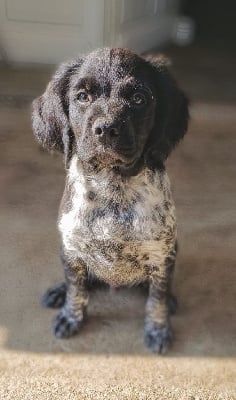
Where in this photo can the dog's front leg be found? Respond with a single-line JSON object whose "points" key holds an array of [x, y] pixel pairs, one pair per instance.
{"points": [[157, 330], [71, 315]]}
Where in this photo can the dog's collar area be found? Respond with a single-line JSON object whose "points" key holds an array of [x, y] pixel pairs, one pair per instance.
{"points": [[122, 169], [131, 169]]}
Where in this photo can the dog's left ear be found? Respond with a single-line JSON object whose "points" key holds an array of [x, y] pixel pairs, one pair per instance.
{"points": [[171, 114]]}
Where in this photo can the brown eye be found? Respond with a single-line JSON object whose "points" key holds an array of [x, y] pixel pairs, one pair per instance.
{"points": [[138, 99], [84, 97]]}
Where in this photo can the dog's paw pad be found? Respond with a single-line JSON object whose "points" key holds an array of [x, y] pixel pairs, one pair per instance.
{"points": [[65, 326], [55, 296], [158, 339]]}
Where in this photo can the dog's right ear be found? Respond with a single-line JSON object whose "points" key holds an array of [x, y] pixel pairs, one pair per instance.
{"points": [[50, 111]]}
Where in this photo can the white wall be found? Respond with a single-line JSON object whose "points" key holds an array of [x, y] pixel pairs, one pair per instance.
{"points": [[50, 31]]}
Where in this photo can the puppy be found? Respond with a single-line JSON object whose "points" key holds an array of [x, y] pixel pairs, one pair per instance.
{"points": [[116, 118]]}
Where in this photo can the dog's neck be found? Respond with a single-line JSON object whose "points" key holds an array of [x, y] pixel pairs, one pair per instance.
{"points": [[93, 170], [107, 182]]}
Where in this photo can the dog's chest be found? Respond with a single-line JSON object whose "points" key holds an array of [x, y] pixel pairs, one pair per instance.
{"points": [[110, 222]]}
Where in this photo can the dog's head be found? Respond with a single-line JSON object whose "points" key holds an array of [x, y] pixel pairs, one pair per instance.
{"points": [[112, 108]]}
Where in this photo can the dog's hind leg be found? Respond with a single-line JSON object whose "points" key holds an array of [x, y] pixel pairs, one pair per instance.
{"points": [[55, 296], [172, 304]]}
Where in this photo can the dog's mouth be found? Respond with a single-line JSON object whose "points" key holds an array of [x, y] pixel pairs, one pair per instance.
{"points": [[124, 157], [113, 161]]}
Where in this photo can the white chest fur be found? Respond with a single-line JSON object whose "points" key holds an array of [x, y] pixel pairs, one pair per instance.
{"points": [[104, 211]]}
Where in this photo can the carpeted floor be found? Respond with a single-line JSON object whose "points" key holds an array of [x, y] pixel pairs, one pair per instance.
{"points": [[108, 359]]}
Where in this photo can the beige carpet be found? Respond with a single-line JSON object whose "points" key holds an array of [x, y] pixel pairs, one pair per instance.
{"points": [[108, 359]]}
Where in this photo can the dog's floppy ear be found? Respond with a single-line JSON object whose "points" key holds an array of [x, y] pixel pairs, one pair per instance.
{"points": [[50, 111], [171, 114]]}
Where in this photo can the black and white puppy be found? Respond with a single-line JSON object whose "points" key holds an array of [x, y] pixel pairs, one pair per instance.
{"points": [[116, 118]]}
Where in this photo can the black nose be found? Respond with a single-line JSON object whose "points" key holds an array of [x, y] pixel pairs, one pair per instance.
{"points": [[105, 129]]}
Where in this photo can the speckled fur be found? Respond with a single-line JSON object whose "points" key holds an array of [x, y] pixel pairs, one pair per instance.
{"points": [[124, 230], [117, 216]]}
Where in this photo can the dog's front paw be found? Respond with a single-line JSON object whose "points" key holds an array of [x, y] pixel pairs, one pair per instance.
{"points": [[158, 339], [65, 325]]}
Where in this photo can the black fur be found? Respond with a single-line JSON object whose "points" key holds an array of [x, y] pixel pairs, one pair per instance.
{"points": [[50, 112], [116, 117], [59, 119]]}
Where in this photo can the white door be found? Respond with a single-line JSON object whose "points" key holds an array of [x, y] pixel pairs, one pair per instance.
{"points": [[50, 31]]}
